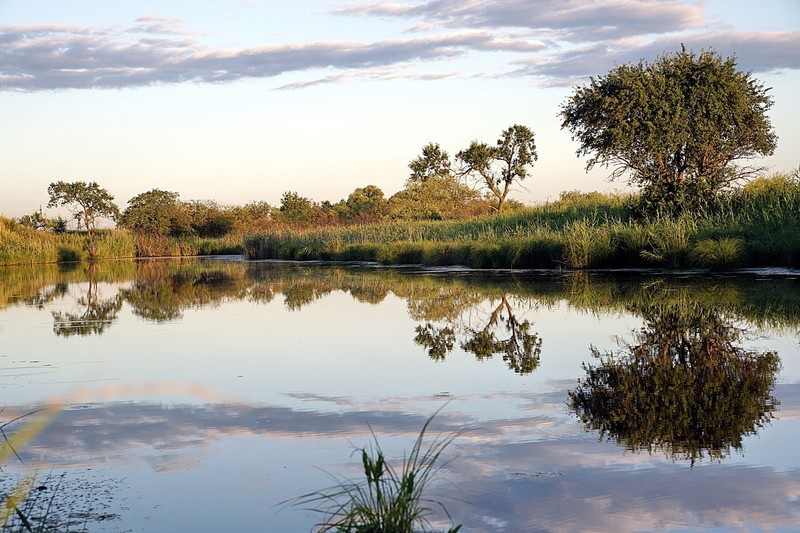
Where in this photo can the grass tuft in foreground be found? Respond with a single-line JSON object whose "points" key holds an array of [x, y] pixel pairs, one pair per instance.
{"points": [[389, 499]]}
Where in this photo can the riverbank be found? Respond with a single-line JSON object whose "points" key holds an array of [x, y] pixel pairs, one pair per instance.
{"points": [[756, 226], [752, 227]]}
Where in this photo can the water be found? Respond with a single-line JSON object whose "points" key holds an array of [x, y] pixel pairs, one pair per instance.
{"points": [[197, 395]]}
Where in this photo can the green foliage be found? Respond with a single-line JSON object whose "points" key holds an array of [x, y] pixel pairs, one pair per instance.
{"points": [[366, 205], [154, 211], [35, 220], [676, 127], [296, 209], [670, 241], [719, 254], [434, 162], [587, 246], [438, 197], [89, 202], [252, 217], [206, 219], [498, 167], [390, 499]]}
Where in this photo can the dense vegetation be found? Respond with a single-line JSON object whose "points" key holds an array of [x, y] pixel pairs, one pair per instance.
{"points": [[755, 225]]}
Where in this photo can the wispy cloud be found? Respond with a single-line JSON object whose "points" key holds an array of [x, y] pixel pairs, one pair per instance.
{"points": [[157, 51], [554, 42], [574, 20], [579, 39]]}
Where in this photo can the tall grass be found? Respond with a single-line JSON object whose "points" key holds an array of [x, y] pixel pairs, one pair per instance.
{"points": [[389, 499], [757, 225], [20, 245]]}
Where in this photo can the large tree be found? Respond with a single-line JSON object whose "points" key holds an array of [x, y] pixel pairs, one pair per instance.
{"points": [[676, 127], [88, 202], [498, 167]]}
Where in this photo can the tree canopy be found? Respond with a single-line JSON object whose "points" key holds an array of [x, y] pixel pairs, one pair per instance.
{"points": [[434, 162], [367, 204], [676, 127], [498, 167], [152, 211]]}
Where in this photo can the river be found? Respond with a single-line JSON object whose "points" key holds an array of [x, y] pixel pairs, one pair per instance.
{"points": [[206, 394]]}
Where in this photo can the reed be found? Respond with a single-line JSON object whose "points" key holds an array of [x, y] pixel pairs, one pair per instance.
{"points": [[389, 498]]}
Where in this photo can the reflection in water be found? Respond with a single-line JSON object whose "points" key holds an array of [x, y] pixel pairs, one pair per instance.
{"points": [[682, 385], [97, 313], [479, 314], [501, 334], [686, 384]]}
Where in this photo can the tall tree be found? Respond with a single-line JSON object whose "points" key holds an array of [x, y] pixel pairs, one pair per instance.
{"points": [[498, 167], [676, 127], [88, 202], [296, 209]]}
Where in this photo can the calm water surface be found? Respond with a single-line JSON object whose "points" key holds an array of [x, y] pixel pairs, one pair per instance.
{"points": [[196, 395]]}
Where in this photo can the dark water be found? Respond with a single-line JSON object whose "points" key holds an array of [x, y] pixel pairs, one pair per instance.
{"points": [[196, 395]]}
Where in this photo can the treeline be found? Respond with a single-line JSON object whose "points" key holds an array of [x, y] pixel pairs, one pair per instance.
{"points": [[433, 191]]}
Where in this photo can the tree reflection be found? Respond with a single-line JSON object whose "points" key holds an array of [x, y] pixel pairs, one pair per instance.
{"points": [[682, 386], [97, 313], [41, 299], [501, 334], [162, 296]]}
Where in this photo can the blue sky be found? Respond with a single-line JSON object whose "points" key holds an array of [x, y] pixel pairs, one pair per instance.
{"points": [[241, 100]]}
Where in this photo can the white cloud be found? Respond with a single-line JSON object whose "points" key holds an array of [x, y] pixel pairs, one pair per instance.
{"points": [[554, 42], [63, 57]]}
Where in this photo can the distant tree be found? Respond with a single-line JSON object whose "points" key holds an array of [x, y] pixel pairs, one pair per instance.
{"points": [[35, 220], [208, 218], [439, 197], [497, 168], [252, 217], [296, 209], [433, 162], [88, 202], [367, 204], [152, 211], [58, 224], [676, 127]]}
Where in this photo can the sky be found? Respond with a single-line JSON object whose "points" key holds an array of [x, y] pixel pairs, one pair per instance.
{"points": [[242, 100]]}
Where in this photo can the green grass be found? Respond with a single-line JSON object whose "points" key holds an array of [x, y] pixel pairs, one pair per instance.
{"points": [[757, 225], [23, 246], [389, 499], [753, 226]]}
